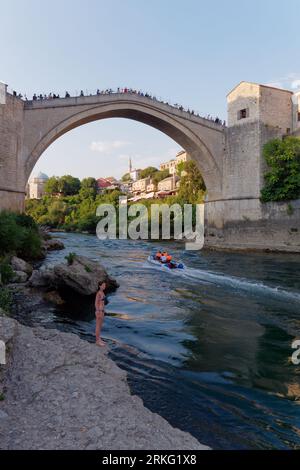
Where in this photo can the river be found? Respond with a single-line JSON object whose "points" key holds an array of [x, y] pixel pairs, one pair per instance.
{"points": [[209, 349]]}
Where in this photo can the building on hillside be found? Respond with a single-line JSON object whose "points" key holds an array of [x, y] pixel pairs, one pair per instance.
{"points": [[112, 180], [135, 174], [125, 186], [140, 186], [172, 165], [182, 157], [151, 187], [169, 184], [102, 185], [36, 186]]}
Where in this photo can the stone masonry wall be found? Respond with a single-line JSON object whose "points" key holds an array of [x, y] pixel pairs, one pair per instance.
{"points": [[11, 171], [245, 95], [276, 108], [249, 224]]}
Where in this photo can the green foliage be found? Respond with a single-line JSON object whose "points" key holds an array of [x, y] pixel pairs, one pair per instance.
{"points": [[159, 176], [149, 171], [192, 187], [10, 240], [70, 258], [31, 245], [66, 185], [88, 188], [78, 212], [282, 180], [26, 221], [180, 168], [19, 235], [5, 300], [52, 186], [126, 177], [6, 271]]}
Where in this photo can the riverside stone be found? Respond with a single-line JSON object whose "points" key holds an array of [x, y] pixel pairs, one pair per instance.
{"points": [[53, 244], [64, 393], [19, 264], [20, 276], [83, 276], [43, 277]]}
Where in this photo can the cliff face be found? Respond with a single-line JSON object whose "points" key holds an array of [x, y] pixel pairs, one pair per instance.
{"points": [[61, 392]]}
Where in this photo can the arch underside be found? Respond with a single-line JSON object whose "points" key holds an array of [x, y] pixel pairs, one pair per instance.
{"points": [[170, 126]]}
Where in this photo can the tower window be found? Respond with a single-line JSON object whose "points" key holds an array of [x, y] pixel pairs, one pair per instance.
{"points": [[243, 113], [298, 116]]}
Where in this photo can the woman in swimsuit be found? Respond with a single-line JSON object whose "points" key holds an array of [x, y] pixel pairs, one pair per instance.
{"points": [[99, 305]]}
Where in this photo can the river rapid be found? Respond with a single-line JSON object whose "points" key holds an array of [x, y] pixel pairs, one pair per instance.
{"points": [[209, 348]]}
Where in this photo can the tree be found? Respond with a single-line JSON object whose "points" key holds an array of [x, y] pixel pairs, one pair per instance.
{"points": [[88, 188], [19, 235], [52, 186], [192, 186], [68, 185], [149, 171], [180, 168], [160, 175], [282, 180], [126, 177]]}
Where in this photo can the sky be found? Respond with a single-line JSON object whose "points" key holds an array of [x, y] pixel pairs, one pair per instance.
{"points": [[191, 52]]}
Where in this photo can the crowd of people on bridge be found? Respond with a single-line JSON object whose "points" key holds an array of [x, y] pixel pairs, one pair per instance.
{"points": [[110, 91]]}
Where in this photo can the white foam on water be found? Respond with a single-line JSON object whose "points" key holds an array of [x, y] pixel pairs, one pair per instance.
{"points": [[240, 283], [209, 277]]}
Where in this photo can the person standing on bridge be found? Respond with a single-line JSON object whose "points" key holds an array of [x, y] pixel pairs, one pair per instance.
{"points": [[99, 306]]}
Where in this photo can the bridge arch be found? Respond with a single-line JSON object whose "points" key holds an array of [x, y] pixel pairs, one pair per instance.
{"points": [[46, 121]]}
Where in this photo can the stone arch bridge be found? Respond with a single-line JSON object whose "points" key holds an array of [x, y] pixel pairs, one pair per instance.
{"points": [[232, 173]]}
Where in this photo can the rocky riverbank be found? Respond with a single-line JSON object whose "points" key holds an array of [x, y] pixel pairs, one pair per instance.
{"points": [[60, 392]]}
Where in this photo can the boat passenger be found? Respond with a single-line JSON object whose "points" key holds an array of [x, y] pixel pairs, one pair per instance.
{"points": [[172, 265], [158, 255], [169, 258]]}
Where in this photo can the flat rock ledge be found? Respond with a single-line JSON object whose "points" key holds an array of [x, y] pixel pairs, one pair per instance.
{"points": [[61, 392]]}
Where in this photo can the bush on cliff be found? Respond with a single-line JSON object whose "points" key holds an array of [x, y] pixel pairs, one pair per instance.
{"points": [[6, 271], [5, 299], [282, 180], [19, 235]]}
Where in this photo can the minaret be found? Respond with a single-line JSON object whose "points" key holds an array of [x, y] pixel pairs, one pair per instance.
{"points": [[130, 165]]}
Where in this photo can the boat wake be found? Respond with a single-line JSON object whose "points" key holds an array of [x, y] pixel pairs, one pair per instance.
{"points": [[233, 282]]}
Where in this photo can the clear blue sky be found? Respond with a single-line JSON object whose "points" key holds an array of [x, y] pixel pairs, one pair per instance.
{"points": [[191, 52]]}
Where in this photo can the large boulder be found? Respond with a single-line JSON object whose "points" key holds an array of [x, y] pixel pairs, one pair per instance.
{"points": [[20, 276], [83, 276], [53, 244], [43, 277], [19, 264]]}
